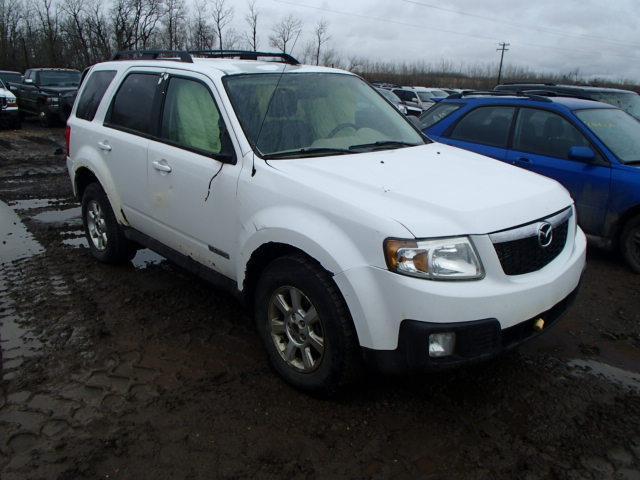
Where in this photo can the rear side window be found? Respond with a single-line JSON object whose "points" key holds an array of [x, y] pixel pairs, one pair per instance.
{"points": [[485, 125], [97, 84], [546, 133], [437, 113], [191, 119], [132, 106]]}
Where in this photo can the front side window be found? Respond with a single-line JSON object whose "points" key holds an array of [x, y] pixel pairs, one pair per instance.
{"points": [[316, 114], [97, 84], [437, 113], [191, 119], [618, 131], [132, 105], [546, 133], [485, 125]]}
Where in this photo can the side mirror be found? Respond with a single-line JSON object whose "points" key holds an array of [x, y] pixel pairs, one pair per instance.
{"points": [[582, 154], [28, 81]]}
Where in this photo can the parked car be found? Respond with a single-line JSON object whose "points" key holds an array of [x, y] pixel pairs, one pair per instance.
{"points": [[393, 98], [432, 95], [415, 105], [626, 100], [48, 93], [592, 148], [8, 108], [300, 189], [11, 79]]}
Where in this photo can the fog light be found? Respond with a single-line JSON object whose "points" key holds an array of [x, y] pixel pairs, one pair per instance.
{"points": [[441, 344]]}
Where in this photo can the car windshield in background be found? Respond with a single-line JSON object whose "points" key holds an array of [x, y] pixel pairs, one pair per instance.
{"points": [[59, 79], [389, 95], [2, 85], [436, 113], [316, 114], [629, 102], [10, 77], [617, 130]]}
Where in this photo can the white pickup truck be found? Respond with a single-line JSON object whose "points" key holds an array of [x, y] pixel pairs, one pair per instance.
{"points": [[351, 235], [9, 114]]}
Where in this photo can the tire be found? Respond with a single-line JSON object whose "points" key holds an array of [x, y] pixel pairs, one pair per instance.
{"points": [[340, 361], [17, 123], [105, 237], [630, 243], [44, 118]]}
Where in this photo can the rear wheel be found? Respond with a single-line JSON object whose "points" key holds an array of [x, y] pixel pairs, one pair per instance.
{"points": [[305, 325], [104, 235], [630, 243]]}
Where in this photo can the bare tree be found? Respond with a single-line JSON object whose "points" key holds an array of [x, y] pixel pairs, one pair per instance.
{"points": [[252, 21], [285, 32], [321, 37], [174, 31], [222, 16], [48, 18], [201, 34]]}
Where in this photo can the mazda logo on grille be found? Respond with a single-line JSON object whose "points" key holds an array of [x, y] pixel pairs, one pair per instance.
{"points": [[545, 234]]}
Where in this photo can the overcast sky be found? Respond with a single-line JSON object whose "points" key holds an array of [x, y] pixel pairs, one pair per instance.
{"points": [[601, 38]]}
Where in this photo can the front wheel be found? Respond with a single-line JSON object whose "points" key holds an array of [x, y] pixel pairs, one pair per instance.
{"points": [[305, 326], [106, 239], [630, 243], [44, 118]]}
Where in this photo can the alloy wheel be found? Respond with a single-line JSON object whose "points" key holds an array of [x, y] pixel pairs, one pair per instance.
{"points": [[96, 225]]}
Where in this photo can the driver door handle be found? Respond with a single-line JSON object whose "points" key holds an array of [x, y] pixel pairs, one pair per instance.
{"points": [[161, 166], [104, 145]]}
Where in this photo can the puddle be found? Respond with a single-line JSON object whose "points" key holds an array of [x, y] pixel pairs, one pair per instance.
{"points": [[145, 258], [15, 240], [31, 203], [69, 216], [624, 378]]}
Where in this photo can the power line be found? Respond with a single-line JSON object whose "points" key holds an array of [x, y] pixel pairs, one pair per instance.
{"points": [[432, 28], [503, 48], [550, 31]]}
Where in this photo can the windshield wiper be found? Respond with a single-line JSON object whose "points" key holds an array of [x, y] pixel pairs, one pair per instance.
{"points": [[307, 152], [382, 145]]}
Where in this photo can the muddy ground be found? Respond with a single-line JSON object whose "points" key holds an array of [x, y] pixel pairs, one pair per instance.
{"points": [[145, 371]]}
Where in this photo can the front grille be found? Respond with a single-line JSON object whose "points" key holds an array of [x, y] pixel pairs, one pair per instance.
{"points": [[526, 255]]}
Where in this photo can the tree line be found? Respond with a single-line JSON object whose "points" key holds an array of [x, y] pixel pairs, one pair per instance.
{"points": [[79, 33]]}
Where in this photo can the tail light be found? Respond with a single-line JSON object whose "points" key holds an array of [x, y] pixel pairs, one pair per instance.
{"points": [[67, 138]]}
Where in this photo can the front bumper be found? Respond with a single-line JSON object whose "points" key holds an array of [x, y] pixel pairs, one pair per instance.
{"points": [[9, 114], [475, 341]]}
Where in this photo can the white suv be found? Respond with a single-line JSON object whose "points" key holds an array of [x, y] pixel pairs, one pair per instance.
{"points": [[351, 235]]}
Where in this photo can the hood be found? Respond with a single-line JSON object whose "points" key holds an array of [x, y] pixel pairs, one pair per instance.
{"points": [[5, 93], [432, 190], [60, 90]]}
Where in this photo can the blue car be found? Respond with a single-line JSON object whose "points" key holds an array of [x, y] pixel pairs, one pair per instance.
{"points": [[591, 148]]}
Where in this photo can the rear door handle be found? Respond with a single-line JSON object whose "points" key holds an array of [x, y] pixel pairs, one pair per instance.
{"points": [[104, 146], [161, 166]]}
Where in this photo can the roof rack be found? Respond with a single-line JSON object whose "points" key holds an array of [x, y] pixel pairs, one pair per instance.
{"points": [[180, 55], [550, 93], [244, 55], [501, 93]]}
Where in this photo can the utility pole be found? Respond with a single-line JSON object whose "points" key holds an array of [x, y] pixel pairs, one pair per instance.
{"points": [[503, 48]]}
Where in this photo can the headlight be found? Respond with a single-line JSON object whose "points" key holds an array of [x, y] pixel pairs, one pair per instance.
{"points": [[439, 259], [403, 109], [53, 100]]}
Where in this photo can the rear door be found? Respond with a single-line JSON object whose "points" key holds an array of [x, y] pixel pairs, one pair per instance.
{"points": [[541, 143], [193, 173], [484, 130], [130, 121]]}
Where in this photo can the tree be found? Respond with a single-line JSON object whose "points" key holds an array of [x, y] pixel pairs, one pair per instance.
{"points": [[285, 32], [321, 37], [252, 21], [174, 31], [201, 34], [222, 16]]}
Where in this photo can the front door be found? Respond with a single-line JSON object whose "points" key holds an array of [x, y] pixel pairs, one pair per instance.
{"points": [[193, 173], [541, 143]]}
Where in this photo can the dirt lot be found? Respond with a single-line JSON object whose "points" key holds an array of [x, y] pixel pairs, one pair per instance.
{"points": [[144, 371]]}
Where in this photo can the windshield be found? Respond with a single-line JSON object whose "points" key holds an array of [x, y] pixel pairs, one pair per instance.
{"points": [[59, 79], [617, 130], [389, 95], [629, 102], [8, 77], [315, 114], [429, 96]]}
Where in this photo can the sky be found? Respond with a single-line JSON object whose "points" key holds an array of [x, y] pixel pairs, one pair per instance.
{"points": [[600, 38]]}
